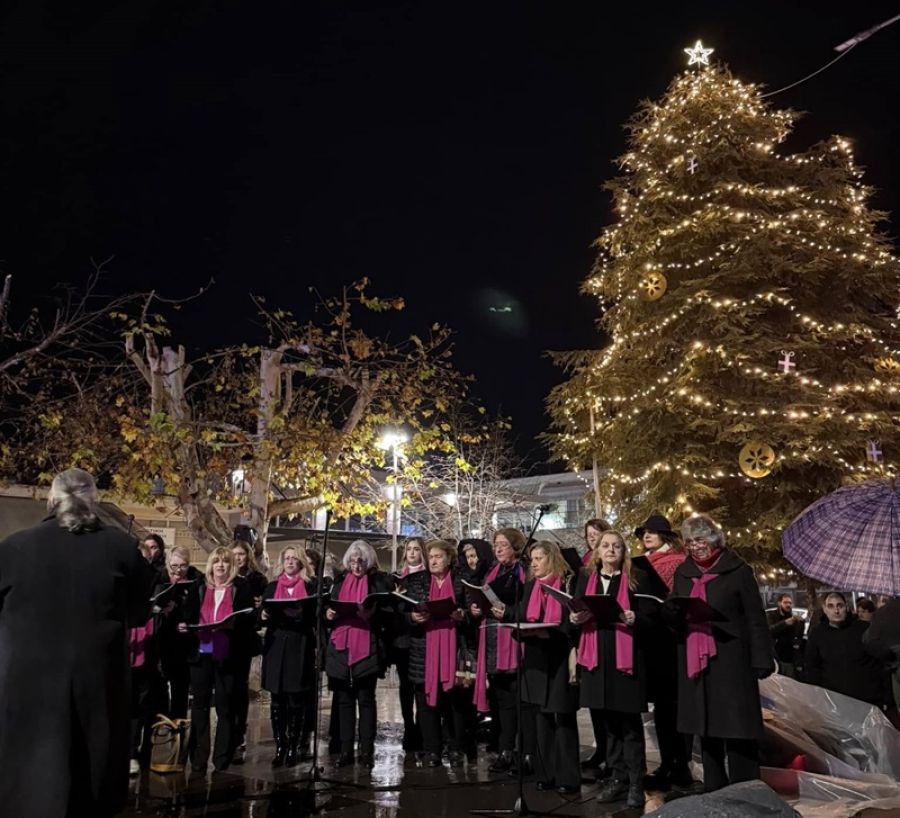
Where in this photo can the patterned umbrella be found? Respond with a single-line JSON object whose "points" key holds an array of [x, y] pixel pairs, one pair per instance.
{"points": [[850, 539]]}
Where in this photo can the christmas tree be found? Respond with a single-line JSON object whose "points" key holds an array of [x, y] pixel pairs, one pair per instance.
{"points": [[751, 304]]}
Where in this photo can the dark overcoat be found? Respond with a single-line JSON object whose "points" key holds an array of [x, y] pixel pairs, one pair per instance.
{"points": [[605, 687], [379, 636], [723, 701], [289, 647], [66, 604], [545, 661]]}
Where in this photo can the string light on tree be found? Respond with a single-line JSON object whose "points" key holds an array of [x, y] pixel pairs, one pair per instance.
{"points": [[698, 55]]}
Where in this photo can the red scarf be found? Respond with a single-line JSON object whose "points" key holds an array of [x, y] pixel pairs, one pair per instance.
{"points": [[507, 649], [701, 646], [353, 635], [588, 645], [542, 603], [218, 639], [440, 645], [284, 582], [665, 563], [137, 643]]}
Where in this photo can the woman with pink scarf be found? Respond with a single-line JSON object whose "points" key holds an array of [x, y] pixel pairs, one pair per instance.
{"points": [[613, 672], [720, 663], [356, 653], [435, 642], [545, 670], [289, 659]]}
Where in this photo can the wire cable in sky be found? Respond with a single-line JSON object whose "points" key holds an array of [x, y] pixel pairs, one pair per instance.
{"points": [[844, 48]]}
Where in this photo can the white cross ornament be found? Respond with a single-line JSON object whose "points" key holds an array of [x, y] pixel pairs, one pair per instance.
{"points": [[786, 364], [692, 165], [873, 453]]}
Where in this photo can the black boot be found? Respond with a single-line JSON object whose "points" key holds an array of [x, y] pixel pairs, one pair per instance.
{"points": [[279, 732], [294, 735], [503, 763]]}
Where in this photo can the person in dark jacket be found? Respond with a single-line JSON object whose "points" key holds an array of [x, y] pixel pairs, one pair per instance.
{"points": [[434, 645], [613, 667], [720, 663], [546, 683], [836, 658], [786, 629], [288, 666], [882, 640], [357, 655], [69, 590], [155, 553], [216, 654]]}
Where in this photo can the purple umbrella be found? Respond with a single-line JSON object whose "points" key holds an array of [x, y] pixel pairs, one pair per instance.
{"points": [[850, 539]]}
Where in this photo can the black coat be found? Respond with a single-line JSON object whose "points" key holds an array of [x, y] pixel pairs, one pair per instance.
{"points": [[242, 636], [605, 687], [175, 648], [339, 672], [66, 604], [289, 648], [787, 640], [723, 701], [659, 645], [837, 660], [418, 586], [545, 663], [508, 588]]}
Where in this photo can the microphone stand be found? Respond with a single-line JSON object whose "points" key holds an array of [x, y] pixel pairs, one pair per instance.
{"points": [[520, 807], [316, 770]]}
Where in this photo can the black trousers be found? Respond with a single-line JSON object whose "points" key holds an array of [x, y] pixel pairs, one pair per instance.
{"points": [[625, 751], [212, 683], [241, 697], [178, 676], [450, 712], [507, 693], [556, 756], [599, 728], [743, 761], [674, 747], [412, 737], [347, 697], [145, 701]]}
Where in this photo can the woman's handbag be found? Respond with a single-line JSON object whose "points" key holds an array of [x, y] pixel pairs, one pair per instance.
{"points": [[169, 745]]}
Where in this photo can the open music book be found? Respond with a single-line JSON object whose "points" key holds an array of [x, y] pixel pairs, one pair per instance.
{"points": [[227, 622]]}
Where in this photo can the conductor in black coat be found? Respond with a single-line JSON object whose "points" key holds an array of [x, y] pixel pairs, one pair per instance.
{"points": [[69, 590], [719, 664]]}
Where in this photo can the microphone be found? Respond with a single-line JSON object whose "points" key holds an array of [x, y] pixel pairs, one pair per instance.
{"points": [[547, 507]]}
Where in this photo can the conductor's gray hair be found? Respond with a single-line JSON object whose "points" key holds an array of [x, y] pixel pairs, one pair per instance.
{"points": [[362, 549], [703, 526], [73, 499]]}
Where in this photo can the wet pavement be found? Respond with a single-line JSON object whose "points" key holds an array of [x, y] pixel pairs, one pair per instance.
{"points": [[396, 787]]}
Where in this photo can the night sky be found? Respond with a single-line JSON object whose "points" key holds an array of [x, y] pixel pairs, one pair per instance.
{"points": [[453, 153]]}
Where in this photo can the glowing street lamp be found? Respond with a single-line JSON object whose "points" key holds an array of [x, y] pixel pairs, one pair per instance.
{"points": [[393, 440]]}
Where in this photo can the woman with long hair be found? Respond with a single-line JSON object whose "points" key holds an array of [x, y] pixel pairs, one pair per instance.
{"points": [[288, 666], [215, 654], [613, 672], [498, 653], [355, 654], [545, 670]]}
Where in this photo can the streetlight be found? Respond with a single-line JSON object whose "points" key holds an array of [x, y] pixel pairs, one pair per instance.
{"points": [[393, 440]]}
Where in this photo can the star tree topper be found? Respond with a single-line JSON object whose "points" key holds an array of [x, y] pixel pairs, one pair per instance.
{"points": [[698, 55]]}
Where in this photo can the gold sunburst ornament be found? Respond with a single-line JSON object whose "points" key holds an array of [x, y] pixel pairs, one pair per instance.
{"points": [[698, 55], [756, 459], [653, 287]]}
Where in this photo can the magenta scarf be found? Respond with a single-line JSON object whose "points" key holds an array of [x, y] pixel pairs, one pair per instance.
{"points": [[701, 646], [507, 652], [586, 559], [588, 654], [440, 646], [137, 643], [540, 603], [208, 615], [284, 582], [354, 635]]}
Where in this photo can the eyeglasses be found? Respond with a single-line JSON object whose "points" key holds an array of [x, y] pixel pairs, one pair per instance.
{"points": [[177, 566], [699, 542]]}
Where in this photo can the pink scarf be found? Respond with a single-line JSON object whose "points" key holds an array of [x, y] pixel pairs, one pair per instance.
{"points": [[507, 649], [354, 635], [208, 614], [701, 646], [588, 646], [585, 560], [284, 582], [137, 643], [541, 603], [440, 646]]}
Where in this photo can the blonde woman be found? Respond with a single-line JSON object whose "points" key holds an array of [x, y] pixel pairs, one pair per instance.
{"points": [[214, 656]]}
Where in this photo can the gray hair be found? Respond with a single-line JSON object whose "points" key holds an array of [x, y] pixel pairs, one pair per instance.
{"points": [[73, 499], [703, 526], [363, 550]]}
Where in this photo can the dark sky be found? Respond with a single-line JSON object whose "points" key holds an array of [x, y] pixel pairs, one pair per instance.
{"points": [[453, 153]]}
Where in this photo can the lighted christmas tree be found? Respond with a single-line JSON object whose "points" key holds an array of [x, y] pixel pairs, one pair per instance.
{"points": [[754, 361]]}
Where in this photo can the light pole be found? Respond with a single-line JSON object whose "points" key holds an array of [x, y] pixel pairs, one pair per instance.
{"points": [[393, 440]]}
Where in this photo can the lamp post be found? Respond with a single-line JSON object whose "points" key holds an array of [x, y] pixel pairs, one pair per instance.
{"points": [[393, 440]]}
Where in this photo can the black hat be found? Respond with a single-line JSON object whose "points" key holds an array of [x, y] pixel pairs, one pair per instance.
{"points": [[657, 523]]}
